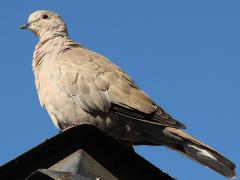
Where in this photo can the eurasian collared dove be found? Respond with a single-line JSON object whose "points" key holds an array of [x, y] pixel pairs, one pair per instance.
{"points": [[77, 85]]}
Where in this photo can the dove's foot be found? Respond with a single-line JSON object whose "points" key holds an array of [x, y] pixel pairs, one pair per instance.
{"points": [[65, 129]]}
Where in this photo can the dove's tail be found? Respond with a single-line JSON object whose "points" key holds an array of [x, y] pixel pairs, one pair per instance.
{"points": [[200, 152]]}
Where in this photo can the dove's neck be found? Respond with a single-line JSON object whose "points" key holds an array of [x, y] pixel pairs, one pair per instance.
{"points": [[46, 46], [49, 35]]}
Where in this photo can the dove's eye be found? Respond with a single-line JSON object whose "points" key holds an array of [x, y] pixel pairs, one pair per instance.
{"points": [[44, 16]]}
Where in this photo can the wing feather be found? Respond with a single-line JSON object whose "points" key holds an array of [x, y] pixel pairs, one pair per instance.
{"points": [[97, 85]]}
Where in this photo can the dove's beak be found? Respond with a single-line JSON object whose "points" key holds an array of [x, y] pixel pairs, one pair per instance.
{"points": [[25, 26]]}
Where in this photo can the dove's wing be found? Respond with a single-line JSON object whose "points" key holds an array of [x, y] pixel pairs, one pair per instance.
{"points": [[96, 84]]}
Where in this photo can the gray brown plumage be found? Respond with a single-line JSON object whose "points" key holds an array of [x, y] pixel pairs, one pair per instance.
{"points": [[77, 85]]}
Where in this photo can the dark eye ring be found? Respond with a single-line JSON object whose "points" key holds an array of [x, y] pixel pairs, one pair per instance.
{"points": [[44, 16]]}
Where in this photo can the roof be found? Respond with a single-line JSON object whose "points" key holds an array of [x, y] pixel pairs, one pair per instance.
{"points": [[82, 152]]}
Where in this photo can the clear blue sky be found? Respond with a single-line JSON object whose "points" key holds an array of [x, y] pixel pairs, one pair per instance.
{"points": [[184, 54]]}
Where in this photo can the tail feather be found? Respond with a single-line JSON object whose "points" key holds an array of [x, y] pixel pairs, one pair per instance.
{"points": [[200, 152]]}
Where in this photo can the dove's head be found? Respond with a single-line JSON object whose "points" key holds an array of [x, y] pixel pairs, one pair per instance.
{"points": [[45, 23]]}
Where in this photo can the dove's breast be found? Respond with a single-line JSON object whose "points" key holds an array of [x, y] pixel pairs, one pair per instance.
{"points": [[63, 111]]}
